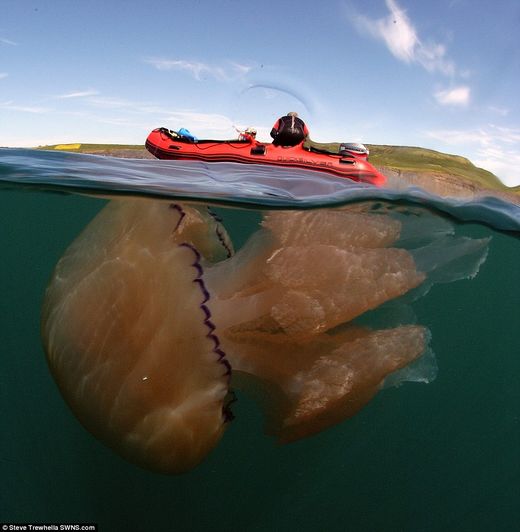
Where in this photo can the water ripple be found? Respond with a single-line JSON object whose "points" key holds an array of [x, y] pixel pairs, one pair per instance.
{"points": [[235, 184]]}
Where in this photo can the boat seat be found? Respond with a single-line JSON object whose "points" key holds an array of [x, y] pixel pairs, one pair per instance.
{"points": [[313, 149], [234, 141], [259, 149]]}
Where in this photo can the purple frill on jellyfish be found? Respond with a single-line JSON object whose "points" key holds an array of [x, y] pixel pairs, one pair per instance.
{"points": [[150, 319]]}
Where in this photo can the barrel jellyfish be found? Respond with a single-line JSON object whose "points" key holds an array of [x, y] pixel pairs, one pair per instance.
{"points": [[151, 319]]}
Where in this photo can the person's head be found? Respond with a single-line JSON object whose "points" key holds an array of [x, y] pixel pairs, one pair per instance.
{"points": [[292, 113], [251, 131]]}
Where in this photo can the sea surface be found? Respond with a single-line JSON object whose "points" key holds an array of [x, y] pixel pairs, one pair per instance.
{"points": [[438, 453]]}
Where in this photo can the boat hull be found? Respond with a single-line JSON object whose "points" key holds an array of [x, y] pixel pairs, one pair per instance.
{"points": [[163, 145]]}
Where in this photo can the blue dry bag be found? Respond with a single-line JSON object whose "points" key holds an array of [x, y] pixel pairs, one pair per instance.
{"points": [[185, 133]]}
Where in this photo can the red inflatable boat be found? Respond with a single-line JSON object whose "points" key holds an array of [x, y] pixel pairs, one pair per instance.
{"points": [[350, 162]]}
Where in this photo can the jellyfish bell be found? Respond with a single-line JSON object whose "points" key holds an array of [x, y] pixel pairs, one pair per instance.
{"points": [[129, 337]]}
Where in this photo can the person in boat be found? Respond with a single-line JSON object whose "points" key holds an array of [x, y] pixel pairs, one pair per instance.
{"points": [[289, 130], [248, 135]]}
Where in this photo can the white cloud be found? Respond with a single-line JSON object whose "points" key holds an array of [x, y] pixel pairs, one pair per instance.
{"points": [[494, 148], [128, 106], [508, 135], [146, 115], [11, 106], [455, 137], [239, 69], [502, 111], [213, 122], [78, 94], [109, 102], [198, 70], [503, 163], [485, 137], [457, 96], [397, 31], [8, 41]]}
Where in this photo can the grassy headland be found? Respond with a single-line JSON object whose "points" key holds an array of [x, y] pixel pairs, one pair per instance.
{"points": [[115, 150], [414, 159]]}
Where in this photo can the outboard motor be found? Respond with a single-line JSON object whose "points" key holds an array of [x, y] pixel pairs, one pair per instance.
{"points": [[353, 148]]}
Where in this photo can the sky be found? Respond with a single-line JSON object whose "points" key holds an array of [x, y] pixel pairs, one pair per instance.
{"points": [[443, 75]]}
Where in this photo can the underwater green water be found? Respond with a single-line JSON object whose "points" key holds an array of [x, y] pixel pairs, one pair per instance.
{"points": [[441, 456]]}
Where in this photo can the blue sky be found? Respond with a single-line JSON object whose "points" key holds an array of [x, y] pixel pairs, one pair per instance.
{"points": [[443, 75]]}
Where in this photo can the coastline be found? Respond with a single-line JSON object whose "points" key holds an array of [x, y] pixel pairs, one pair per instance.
{"points": [[436, 182]]}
